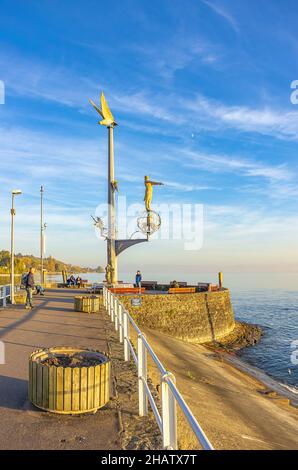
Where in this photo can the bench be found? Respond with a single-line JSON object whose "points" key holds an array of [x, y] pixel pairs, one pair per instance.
{"points": [[204, 286], [182, 290], [181, 284], [149, 284], [127, 290], [207, 287]]}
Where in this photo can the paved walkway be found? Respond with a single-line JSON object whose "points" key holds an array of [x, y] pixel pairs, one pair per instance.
{"points": [[53, 322]]}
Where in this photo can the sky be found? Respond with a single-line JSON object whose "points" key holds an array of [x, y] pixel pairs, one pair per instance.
{"points": [[201, 90]]}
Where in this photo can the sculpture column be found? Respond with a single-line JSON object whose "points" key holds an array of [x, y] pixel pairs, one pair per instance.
{"points": [[111, 251]]}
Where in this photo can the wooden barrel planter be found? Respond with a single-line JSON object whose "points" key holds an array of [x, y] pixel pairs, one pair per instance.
{"points": [[69, 380], [87, 303], [20, 297]]}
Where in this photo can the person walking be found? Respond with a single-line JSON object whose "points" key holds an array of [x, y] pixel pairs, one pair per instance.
{"points": [[139, 279], [30, 287]]}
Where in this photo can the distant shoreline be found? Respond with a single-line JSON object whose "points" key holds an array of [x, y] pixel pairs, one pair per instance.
{"points": [[56, 273]]}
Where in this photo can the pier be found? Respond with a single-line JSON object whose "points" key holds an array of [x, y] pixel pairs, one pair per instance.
{"points": [[235, 410]]}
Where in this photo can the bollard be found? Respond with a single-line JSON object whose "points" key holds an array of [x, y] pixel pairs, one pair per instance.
{"points": [[142, 376], [220, 277], [169, 414]]}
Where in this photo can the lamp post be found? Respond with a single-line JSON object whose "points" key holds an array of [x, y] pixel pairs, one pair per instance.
{"points": [[42, 229], [14, 193]]}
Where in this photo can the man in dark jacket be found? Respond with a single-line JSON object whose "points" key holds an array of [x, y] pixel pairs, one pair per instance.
{"points": [[30, 287], [138, 279]]}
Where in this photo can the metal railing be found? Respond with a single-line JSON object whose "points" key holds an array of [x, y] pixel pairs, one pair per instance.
{"points": [[170, 395], [4, 294]]}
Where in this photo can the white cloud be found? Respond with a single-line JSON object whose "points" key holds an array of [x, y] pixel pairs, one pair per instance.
{"points": [[219, 10], [226, 163]]}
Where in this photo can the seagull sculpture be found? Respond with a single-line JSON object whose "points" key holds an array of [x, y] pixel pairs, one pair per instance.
{"points": [[104, 112]]}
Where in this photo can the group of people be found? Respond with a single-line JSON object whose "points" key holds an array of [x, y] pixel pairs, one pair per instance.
{"points": [[72, 281]]}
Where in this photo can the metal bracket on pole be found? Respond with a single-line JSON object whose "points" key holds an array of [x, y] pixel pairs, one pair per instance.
{"points": [[121, 245]]}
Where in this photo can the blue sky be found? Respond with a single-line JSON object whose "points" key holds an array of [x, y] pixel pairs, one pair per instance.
{"points": [[201, 91]]}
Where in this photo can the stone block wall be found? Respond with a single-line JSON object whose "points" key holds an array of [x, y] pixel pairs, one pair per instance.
{"points": [[197, 318]]}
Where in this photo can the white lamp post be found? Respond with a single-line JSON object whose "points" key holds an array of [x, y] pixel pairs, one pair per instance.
{"points": [[14, 193]]}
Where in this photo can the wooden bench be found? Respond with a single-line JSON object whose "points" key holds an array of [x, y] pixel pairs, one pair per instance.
{"points": [[180, 283], [207, 287], [182, 290], [149, 284], [204, 286], [127, 290]]}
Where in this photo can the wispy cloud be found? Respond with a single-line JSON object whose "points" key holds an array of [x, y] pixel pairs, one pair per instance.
{"points": [[239, 165], [219, 10], [188, 187], [162, 111]]}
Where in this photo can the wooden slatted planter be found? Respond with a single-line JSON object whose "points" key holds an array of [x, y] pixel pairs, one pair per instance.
{"points": [[69, 380], [87, 303], [20, 297]]}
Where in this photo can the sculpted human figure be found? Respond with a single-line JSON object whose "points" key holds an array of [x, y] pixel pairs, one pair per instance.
{"points": [[108, 274], [149, 191]]}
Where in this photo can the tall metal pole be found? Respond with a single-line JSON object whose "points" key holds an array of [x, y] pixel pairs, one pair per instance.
{"points": [[12, 211], [41, 234], [111, 252]]}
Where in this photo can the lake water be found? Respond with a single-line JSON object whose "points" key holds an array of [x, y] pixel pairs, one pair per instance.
{"points": [[267, 299]]}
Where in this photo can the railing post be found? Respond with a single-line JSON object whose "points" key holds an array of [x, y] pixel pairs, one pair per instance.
{"points": [[126, 336], [109, 302], [4, 296], [169, 414], [104, 296], [120, 315], [142, 374], [112, 308], [116, 303]]}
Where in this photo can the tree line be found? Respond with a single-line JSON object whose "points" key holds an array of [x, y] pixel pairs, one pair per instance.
{"points": [[23, 262]]}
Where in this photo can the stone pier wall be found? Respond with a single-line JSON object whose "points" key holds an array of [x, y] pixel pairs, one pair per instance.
{"points": [[196, 318]]}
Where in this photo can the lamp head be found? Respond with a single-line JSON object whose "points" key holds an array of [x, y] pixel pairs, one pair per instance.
{"points": [[16, 191]]}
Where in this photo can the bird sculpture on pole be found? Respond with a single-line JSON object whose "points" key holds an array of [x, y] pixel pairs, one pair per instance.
{"points": [[104, 112], [109, 121]]}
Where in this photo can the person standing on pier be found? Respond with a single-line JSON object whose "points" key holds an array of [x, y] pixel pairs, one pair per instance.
{"points": [[30, 287], [139, 279]]}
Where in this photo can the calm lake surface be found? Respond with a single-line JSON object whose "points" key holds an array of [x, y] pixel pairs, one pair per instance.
{"points": [[267, 299]]}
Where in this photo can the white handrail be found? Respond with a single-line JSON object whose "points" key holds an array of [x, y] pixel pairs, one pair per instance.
{"points": [[4, 293], [171, 396]]}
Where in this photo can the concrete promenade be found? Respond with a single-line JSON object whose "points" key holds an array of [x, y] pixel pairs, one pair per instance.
{"points": [[234, 409], [53, 322]]}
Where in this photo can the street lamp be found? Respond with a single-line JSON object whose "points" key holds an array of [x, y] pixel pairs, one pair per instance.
{"points": [[42, 235], [14, 193]]}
